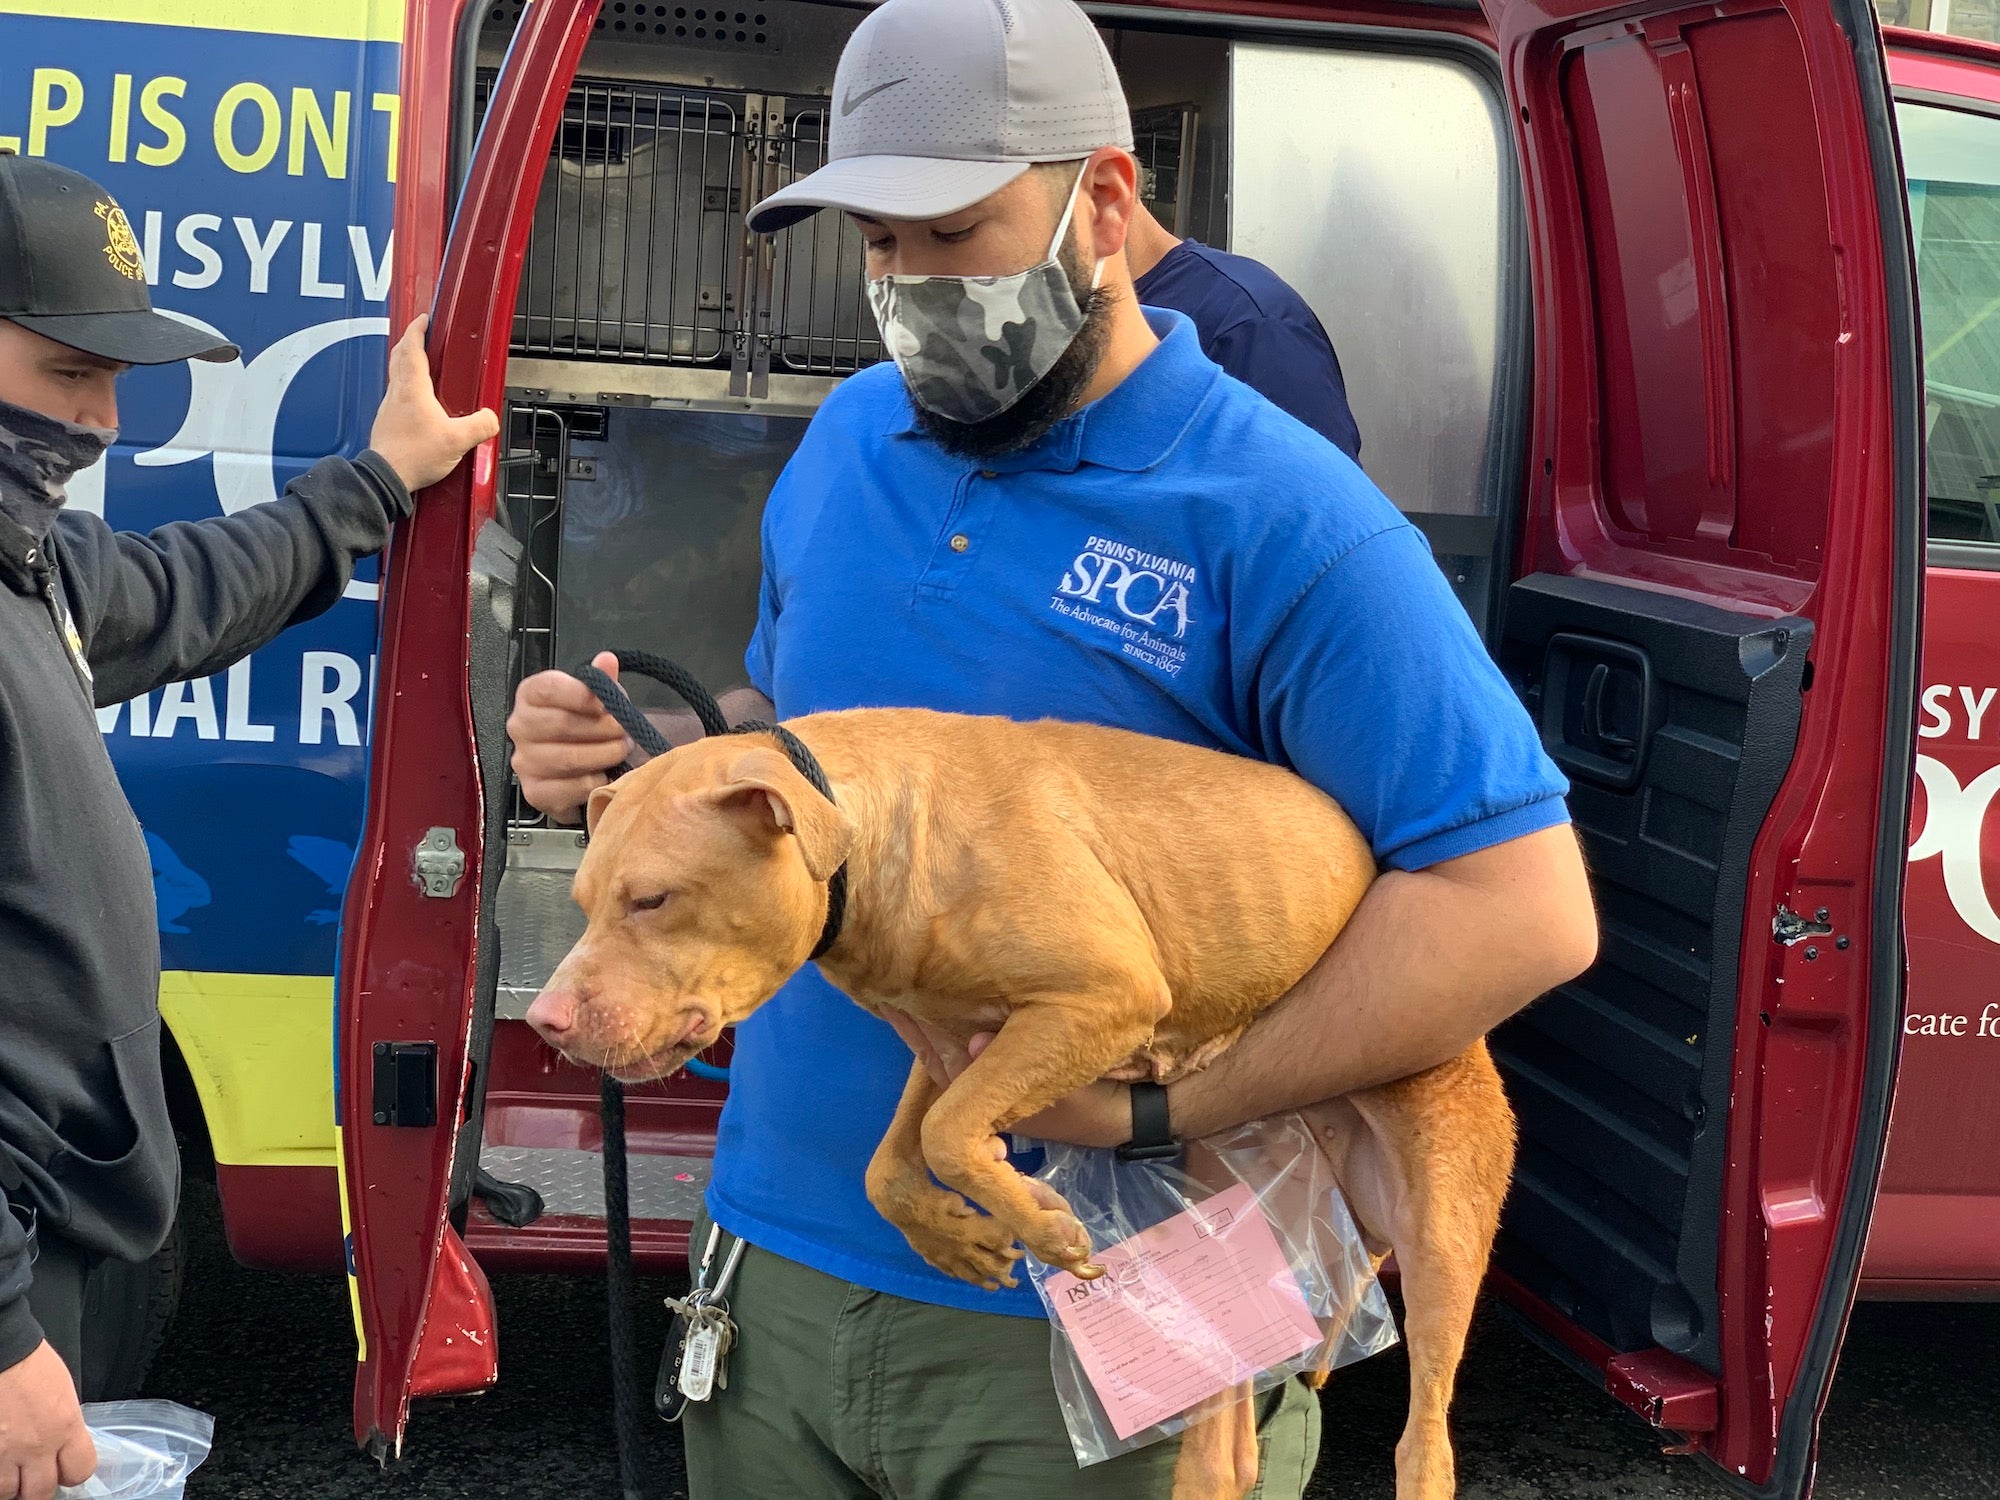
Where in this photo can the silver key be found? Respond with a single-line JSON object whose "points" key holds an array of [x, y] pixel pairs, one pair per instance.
{"points": [[704, 1367]]}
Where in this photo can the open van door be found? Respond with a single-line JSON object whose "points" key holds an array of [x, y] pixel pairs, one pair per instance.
{"points": [[422, 888], [1715, 624]]}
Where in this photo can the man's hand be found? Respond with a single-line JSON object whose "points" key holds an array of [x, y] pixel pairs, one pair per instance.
{"points": [[1098, 1114], [414, 434], [565, 744], [43, 1441]]}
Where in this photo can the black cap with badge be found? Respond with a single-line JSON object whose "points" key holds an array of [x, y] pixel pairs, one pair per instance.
{"points": [[70, 270]]}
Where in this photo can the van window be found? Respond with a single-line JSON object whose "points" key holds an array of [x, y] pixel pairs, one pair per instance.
{"points": [[1951, 159], [1390, 213]]}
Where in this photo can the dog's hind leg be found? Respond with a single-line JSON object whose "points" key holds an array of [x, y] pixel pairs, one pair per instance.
{"points": [[1448, 1135], [1218, 1457], [940, 1225]]}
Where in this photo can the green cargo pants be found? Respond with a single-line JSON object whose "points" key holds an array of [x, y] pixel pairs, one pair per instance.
{"points": [[840, 1393]]}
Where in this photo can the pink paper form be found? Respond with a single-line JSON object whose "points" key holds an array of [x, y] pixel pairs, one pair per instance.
{"points": [[1185, 1309]]}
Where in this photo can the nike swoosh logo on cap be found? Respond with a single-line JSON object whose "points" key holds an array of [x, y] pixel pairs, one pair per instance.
{"points": [[854, 101]]}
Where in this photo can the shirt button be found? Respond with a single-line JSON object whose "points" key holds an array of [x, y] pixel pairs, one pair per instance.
{"points": [[960, 542], [989, 473]]}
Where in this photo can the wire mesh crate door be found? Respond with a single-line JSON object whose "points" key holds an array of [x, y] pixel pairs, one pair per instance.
{"points": [[823, 325], [633, 250]]}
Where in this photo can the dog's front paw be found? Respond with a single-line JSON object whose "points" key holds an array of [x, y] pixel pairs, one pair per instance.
{"points": [[964, 1243], [1058, 1238]]}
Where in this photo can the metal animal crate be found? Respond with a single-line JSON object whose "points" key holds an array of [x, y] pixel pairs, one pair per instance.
{"points": [[639, 253], [532, 479], [633, 253], [823, 325]]}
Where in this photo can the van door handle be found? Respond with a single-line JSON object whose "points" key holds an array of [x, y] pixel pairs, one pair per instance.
{"points": [[1593, 711], [1600, 704]]}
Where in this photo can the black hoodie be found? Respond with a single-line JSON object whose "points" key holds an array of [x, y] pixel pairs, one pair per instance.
{"points": [[91, 617]]}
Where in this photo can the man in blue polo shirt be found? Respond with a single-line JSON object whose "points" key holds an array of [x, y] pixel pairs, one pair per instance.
{"points": [[1054, 504]]}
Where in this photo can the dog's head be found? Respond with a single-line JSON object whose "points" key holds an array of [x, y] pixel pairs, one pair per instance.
{"points": [[705, 888]]}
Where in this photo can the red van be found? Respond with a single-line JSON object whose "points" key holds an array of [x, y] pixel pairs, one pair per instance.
{"points": [[1627, 303]]}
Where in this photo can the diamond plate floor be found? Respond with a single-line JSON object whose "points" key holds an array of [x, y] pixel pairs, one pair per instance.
{"points": [[572, 1182]]}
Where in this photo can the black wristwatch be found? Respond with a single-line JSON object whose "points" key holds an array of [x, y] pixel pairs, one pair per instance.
{"points": [[1152, 1132]]}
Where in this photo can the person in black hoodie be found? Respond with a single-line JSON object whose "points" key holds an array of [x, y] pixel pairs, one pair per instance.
{"points": [[91, 617]]}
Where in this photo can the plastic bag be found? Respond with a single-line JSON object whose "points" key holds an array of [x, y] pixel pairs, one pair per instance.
{"points": [[145, 1450], [1237, 1265]]}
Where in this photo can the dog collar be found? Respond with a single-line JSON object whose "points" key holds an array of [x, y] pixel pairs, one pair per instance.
{"points": [[809, 767]]}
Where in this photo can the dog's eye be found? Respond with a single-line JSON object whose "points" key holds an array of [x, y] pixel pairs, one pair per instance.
{"points": [[650, 903]]}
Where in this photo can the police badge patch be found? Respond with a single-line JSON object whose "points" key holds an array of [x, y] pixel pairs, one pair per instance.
{"points": [[121, 246]]}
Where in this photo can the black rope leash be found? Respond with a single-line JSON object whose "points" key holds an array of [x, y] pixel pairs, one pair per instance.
{"points": [[626, 1397], [668, 674], [626, 1394]]}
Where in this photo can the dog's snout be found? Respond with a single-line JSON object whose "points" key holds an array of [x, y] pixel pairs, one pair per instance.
{"points": [[553, 1014]]}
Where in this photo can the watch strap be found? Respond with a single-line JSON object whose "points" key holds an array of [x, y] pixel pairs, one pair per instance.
{"points": [[1152, 1129]]}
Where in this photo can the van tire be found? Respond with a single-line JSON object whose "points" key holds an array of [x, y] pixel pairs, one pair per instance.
{"points": [[126, 1315]]}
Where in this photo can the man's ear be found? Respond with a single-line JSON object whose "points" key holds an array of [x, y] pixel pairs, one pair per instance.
{"points": [[764, 779], [1111, 185], [594, 809]]}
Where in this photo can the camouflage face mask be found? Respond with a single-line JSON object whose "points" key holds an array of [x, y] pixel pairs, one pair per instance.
{"points": [[970, 347], [38, 454]]}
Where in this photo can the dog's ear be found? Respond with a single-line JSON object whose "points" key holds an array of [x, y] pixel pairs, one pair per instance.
{"points": [[594, 809], [764, 778]]}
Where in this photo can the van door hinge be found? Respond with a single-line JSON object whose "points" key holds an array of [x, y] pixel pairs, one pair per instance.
{"points": [[406, 1089], [1788, 927], [440, 863]]}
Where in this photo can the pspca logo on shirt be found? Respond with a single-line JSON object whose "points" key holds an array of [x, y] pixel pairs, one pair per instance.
{"points": [[1138, 598]]}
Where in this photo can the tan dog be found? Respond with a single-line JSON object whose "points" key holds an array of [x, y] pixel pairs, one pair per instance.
{"points": [[1110, 902]]}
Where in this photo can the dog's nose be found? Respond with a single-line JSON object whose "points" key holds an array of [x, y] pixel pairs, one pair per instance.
{"points": [[553, 1015]]}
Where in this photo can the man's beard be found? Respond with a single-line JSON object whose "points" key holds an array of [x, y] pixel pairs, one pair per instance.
{"points": [[1049, 399]]}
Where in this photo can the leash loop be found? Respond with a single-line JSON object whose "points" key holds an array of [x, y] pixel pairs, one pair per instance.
{"points": [[668, 674]]}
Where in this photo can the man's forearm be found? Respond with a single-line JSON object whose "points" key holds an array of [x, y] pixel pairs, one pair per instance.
{"points": [[739, 705], [1429, 963], [195, 597]]}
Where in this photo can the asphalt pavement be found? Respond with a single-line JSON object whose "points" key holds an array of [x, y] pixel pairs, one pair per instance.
{"points": [[1912, 1413]]}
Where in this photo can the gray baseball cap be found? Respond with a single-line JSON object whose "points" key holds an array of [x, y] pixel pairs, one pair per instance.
{"points": [[940, 103]]}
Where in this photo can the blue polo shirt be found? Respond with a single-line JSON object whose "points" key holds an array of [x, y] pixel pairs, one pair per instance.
{"points": [[1179, 558], [1253, 324]]}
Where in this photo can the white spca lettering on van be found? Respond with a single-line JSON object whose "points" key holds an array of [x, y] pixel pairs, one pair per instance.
{"points": [[1954, 822], [1964, 719], [1146, 590]]}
